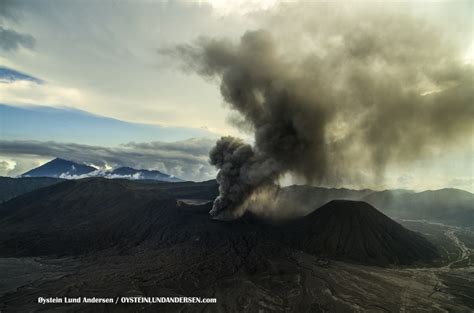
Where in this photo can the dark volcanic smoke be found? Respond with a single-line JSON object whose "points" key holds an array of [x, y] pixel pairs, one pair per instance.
{"points": [[333, 101], [241, 172]]}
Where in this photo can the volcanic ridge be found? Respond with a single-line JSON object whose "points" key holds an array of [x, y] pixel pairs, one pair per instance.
{"points": [[91, 215]]}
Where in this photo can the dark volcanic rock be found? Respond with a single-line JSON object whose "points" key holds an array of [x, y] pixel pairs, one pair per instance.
{"points": [[354, 230], [84, 216], [122, 238], [95, 214], [12, 187]]}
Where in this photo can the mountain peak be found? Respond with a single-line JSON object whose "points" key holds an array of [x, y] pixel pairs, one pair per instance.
{"points": [[60, 160], [355, 230], [349, 205], [59, 168]]}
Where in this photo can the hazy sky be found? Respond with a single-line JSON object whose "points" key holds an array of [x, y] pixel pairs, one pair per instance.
{"points": [[101, 60]]}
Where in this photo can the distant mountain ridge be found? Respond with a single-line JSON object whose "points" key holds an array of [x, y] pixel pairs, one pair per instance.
{"points": [[125, 214], [60, 168], [448, 206]]}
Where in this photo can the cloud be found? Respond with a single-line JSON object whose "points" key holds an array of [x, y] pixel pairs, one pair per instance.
{"points": [[186, 159], [7, 165], [11, 40], [71, 125], [462, 182], [13, 165], [199, 146], [101, 173], [328, 96], [95, 62], [113, 67], [405, 179]]}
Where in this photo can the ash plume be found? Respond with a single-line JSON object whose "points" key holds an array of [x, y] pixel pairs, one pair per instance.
{"points": [[333, 99], [242, 171]]}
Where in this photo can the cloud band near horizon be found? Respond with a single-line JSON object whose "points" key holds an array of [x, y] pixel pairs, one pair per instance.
{"points": [[187, 159]]}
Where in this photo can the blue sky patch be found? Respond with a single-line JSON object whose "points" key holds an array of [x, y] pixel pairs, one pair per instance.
{"points": [[10, 75], [72, 125]]}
